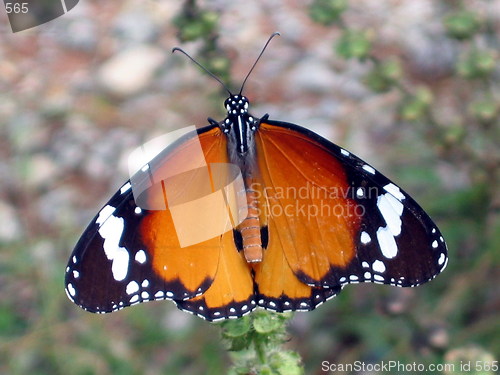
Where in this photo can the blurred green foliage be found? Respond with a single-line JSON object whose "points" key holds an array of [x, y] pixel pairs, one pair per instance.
{"points": [[462, 24], [256, 345], [478, 63], [327, 12], [197, 24], [354, 44], [384, 75]]}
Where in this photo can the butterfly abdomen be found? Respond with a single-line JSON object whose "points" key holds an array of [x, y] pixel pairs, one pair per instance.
{"points": [[250, 229]]}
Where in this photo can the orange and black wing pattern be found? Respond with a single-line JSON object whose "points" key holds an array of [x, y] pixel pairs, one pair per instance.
{"points": [[317, 218], [129, 255], [334, 220]]}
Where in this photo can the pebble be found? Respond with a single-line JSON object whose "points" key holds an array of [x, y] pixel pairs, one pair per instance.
{"points": [[135, 27], [10, 230], [130, 71]]}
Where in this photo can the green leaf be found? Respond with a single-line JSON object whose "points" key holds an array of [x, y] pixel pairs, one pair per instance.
{"points": [[265, 322], [384, 75], [327, 12], [462, 24], [485, 110], [354, 44], [196, 26], [286, 363], [477, 64], [415, 107], [237, 327]]}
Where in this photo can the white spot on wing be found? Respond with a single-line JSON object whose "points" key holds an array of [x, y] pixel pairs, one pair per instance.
{"points": [[111, 231], [445, 261], [369, 169], [442, 258], [125, 188], [391, 209], [387, 242], [365, 238], [132, 287], [71, 290], [70, 296], [120, 264], [159, 294], [360, 192], [344, 152], [394, 190], [434, 244], [140, 256], [378, 266], [106, 212]]}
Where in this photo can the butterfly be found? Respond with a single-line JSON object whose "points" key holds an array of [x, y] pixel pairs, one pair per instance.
{"points": [[251, 212]]}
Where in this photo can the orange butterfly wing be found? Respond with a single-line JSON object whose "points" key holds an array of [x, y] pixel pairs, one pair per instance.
{"points": [[332, 220], [120, 262], [306, 193], [214, 263], [305, 237]]}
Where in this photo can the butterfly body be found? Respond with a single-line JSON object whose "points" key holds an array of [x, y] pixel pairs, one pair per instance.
{"points": [[240, 127], [316, 218]]}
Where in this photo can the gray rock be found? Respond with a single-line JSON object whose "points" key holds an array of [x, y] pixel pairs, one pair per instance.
{"points": [[131, 70], [10, 230], [134, 27]]}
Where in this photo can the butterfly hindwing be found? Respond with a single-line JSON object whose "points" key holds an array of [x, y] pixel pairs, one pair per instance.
{"points": [[231, 294], [278, 288]]}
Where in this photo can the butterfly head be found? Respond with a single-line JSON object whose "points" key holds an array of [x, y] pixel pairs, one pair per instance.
{"points": [[236, 105], [239, 125]]}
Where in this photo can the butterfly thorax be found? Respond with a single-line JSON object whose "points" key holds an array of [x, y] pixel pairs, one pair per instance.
{"points": [[240, 127]]}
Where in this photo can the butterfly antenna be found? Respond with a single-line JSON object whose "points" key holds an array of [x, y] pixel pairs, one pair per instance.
{"points": [[258, 58], [202, 67]]}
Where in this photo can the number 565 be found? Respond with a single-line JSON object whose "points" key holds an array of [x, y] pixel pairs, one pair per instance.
{"points": [[16, 7]]}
